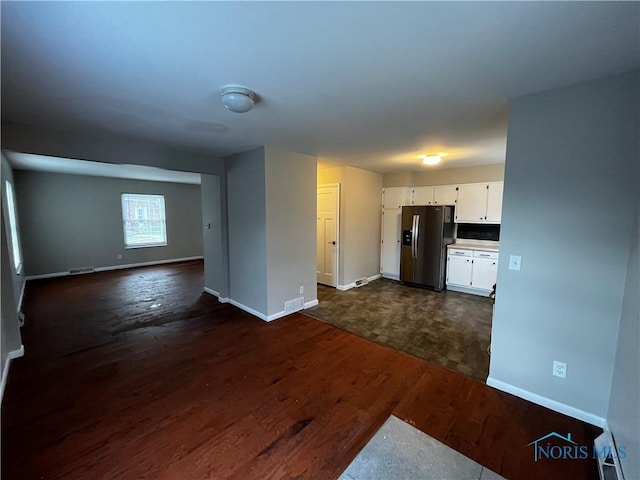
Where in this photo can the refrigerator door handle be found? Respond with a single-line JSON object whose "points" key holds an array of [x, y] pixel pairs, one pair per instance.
{"points": [[414, 227], [417, 232]]}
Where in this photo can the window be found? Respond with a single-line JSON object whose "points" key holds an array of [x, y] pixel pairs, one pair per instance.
{"points": [[143, 220], [13, 228]]}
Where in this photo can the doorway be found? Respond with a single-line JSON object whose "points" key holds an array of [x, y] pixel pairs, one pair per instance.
{"points": [[328, 233]]}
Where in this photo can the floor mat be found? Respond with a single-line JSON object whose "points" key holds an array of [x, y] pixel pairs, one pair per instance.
{"points": [[400, 451]]}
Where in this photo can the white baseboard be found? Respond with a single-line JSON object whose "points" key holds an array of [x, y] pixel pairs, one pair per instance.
{"points": [[5, 372], [351, 285], [548, 403], [116, 267], [280, 314], [390, 276], [310, 304], [212, 292], [217, 294], [261, 316], [472, 291], [250, 310]]}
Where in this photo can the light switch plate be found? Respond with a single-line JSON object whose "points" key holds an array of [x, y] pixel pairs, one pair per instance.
{"points": [[514, 262]]}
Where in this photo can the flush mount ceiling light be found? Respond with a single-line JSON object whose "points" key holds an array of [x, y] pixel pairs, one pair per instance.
{"points": [[237, 99], [431, 159]]}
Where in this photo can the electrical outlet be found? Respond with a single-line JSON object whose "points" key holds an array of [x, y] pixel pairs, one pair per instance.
{"points": [[301, 290], [119, 256], [559, 369]]}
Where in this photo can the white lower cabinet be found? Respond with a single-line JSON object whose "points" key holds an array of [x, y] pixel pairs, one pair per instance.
{"points": [[459, 265], [471, 271]]}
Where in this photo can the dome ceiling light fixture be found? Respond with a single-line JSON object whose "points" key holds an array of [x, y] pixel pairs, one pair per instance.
{"points": [[237, 99], [432, 159]]}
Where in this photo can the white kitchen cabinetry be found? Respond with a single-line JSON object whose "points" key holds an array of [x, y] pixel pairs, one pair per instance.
{"points": [[494, 202], [472, 203], [422, 196], [459, 267], [445, 195], [395, 197], [471, 271], [390, 247], [485, 270], [479, 203]]}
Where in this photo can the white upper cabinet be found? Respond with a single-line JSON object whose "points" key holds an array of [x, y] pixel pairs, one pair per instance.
{"points": [[395, 197], [494, 202], [422, 196], [479, 203], [445, 195], [472, 203]]}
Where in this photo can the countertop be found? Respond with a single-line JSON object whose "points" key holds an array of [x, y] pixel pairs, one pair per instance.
{"points": [[477, 245]]}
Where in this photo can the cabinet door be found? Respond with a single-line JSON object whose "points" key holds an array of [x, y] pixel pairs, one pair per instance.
{"points": [[394, 197], [459, 270], [472, 203], [485, 272], [390, 248], [445, 195], [422, 196], [494, 202]]}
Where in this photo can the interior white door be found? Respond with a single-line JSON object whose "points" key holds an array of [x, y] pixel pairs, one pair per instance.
{"points": [[327, 234]]}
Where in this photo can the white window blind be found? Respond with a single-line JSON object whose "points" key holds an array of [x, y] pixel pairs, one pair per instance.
{"points": [[13, 227], [144, 220]]}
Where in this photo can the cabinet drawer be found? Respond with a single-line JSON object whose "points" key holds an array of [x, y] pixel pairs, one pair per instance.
{"points": [[460, 253], [483, 254]]}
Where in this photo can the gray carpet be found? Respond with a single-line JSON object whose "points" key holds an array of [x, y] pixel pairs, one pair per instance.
{"points": [[450, 329], [400, 451]]}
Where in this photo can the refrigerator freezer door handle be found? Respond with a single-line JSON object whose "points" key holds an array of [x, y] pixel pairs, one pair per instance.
{"points": [[417, 232], [414, 226]]}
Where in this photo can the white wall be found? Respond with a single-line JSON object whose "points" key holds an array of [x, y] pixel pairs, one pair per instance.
{"points": [[291, 227], [360, 221], [272, 212], [247, 230], [571, 181], [624, 405], [215, 263], [71, 221]]}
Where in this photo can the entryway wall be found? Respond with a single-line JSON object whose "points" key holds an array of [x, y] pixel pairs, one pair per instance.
{"points": [[360, 204]]}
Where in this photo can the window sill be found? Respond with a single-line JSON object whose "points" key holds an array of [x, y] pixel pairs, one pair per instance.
{"points": [[150, 245]]}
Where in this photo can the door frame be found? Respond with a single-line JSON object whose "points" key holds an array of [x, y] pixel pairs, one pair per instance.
{"points": [[338, 216]]}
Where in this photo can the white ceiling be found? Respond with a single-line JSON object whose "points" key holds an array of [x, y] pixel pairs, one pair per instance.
{"points": [[372, 85]]}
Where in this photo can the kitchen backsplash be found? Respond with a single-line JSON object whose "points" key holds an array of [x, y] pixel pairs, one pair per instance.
{"points": [[475, 231]]}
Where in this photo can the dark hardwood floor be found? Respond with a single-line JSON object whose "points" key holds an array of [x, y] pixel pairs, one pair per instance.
{"points": [[137, 374]]}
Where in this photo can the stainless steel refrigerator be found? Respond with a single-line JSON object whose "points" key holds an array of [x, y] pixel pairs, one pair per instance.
{"points": [[426, 232]]}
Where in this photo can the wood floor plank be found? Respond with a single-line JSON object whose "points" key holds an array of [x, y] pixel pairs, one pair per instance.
{"points": [[137, 374]]}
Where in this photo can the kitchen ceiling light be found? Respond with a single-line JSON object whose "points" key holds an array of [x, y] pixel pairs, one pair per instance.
{"points": [[237, 99], [431, 159]]}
